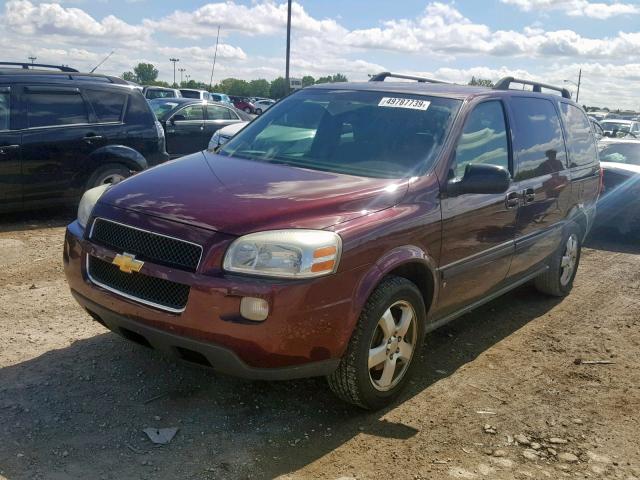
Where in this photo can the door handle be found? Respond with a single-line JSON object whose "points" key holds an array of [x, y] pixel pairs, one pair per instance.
{"points": [[92, 138], [512, 200], [529, 195], [4, 150]]}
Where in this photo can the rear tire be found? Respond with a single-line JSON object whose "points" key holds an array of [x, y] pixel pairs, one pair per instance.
{"points": [[111, 173], [380, 357], [558, 280], [247, 110]]}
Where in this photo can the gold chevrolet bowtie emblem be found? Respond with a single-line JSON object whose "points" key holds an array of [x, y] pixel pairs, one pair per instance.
{"points": [[128, 263]]}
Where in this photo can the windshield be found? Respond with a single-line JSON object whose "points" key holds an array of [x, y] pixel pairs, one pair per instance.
{"points": [[621, 153], [370, 134], [162, 108], [621, 127]]}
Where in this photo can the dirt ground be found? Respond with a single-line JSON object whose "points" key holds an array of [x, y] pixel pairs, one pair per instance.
{"points": [[501, 393]]}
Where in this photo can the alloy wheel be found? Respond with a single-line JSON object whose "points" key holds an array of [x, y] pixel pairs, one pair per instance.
{"points": [[569, 259], [392, 346]]}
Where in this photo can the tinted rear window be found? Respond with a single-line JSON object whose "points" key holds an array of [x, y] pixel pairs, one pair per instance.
{"points": [[580, 140], [107, 105], [138, 111], [52, 109], [538, 141], [190, 94], [363, 133]]}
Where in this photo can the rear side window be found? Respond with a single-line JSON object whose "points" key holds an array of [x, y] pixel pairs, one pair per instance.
{"points": [[107, 105], [190, 94], [580, 140], [52, 109], [220, 113], [5, 109], [538, 141], [483, 140], [138, 110]]}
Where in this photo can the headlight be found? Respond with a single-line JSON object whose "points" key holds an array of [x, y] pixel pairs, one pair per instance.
{"points": [[285, 253], [215, 141], [88, 201]]}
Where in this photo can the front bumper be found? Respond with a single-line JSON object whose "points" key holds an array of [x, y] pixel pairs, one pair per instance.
{"points": [[308, 328], [218, 358]]}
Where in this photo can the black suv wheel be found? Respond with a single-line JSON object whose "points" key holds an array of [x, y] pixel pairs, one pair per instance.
{"points": [[380, 357], [107, 174]]}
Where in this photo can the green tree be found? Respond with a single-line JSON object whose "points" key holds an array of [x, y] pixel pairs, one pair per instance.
{"points": [[129, 77], [259, 88], [279, 88], [146, 73], [481, 82], [308, 80], [234, 86], [338, 77]]}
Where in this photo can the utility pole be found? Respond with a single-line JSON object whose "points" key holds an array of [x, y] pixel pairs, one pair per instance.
{"points": [[33, 59], [579, 80], [286, 76], [181, 70], [174, 60], [215, 55]]}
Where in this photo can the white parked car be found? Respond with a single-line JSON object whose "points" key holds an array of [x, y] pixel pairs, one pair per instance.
{"points": [[620, 128], [223, 135], [262, 105]]}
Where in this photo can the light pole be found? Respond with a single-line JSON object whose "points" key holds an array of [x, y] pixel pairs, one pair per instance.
{"points": [[33, 59], [174, 60], [576, 84], [181, 70], [286, 76]]}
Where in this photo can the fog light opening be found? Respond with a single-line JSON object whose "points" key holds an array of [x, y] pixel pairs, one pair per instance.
{"points": [[254, 309]]}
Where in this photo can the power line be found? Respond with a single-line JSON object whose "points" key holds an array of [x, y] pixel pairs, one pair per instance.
{"points": [[215, 55]]}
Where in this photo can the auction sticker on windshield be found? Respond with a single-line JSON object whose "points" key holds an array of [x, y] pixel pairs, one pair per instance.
{"points": [[410, 103]]}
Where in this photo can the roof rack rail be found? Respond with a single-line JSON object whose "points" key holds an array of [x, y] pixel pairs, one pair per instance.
{"points": [[380, 77], [29, 66], [505, 83]]}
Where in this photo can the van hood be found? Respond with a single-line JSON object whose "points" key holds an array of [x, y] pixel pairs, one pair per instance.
{"points": [[237, 197]]}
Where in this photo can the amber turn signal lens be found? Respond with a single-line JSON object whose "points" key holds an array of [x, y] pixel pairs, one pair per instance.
{"points": [[325, 252], [323, 266]]}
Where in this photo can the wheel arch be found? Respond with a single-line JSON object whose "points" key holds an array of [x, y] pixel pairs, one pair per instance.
{"points": [[410, 262], [117, 154]]}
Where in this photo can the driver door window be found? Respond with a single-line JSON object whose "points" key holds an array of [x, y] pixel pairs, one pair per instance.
{"points": [[190, 114], [483, 140]]}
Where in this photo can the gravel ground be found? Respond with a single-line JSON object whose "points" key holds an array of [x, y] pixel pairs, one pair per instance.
{"points": [[502, 393]]}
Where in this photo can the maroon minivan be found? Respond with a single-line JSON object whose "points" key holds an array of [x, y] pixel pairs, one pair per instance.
{"points": [[339, 227]]}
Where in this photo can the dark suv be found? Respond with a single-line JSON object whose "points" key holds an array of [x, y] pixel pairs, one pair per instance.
{"points": [[335, 230], [62, 132]]}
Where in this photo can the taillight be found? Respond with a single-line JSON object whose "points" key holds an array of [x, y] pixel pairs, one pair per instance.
{"points": [[601, 186]]}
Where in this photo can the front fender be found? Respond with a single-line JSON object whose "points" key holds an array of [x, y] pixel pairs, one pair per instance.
{"points": [[390, 261]]}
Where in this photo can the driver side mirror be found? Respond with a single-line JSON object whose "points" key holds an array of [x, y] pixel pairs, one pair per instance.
{"points": [[177, 118], [481, 178]]}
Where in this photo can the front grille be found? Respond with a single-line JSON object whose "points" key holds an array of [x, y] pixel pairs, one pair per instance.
{"points": [[145, 245], [150, 290]]}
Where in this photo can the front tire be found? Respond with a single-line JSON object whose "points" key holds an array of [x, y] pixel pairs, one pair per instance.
{"points": [[558, 280], [380, 357], [110, 173], [247, 110], [258, 111]]}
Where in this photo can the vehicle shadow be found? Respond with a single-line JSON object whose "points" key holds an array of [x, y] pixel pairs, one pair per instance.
{"points": [[78, 412], [610, 240], [37, 219]]}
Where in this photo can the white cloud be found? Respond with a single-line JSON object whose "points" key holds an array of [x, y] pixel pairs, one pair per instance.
{"points": [[578, 8], [264, 18], [53, 20]]}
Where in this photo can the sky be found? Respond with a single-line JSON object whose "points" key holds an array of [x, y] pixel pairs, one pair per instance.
{"points": [[545, 40]]}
